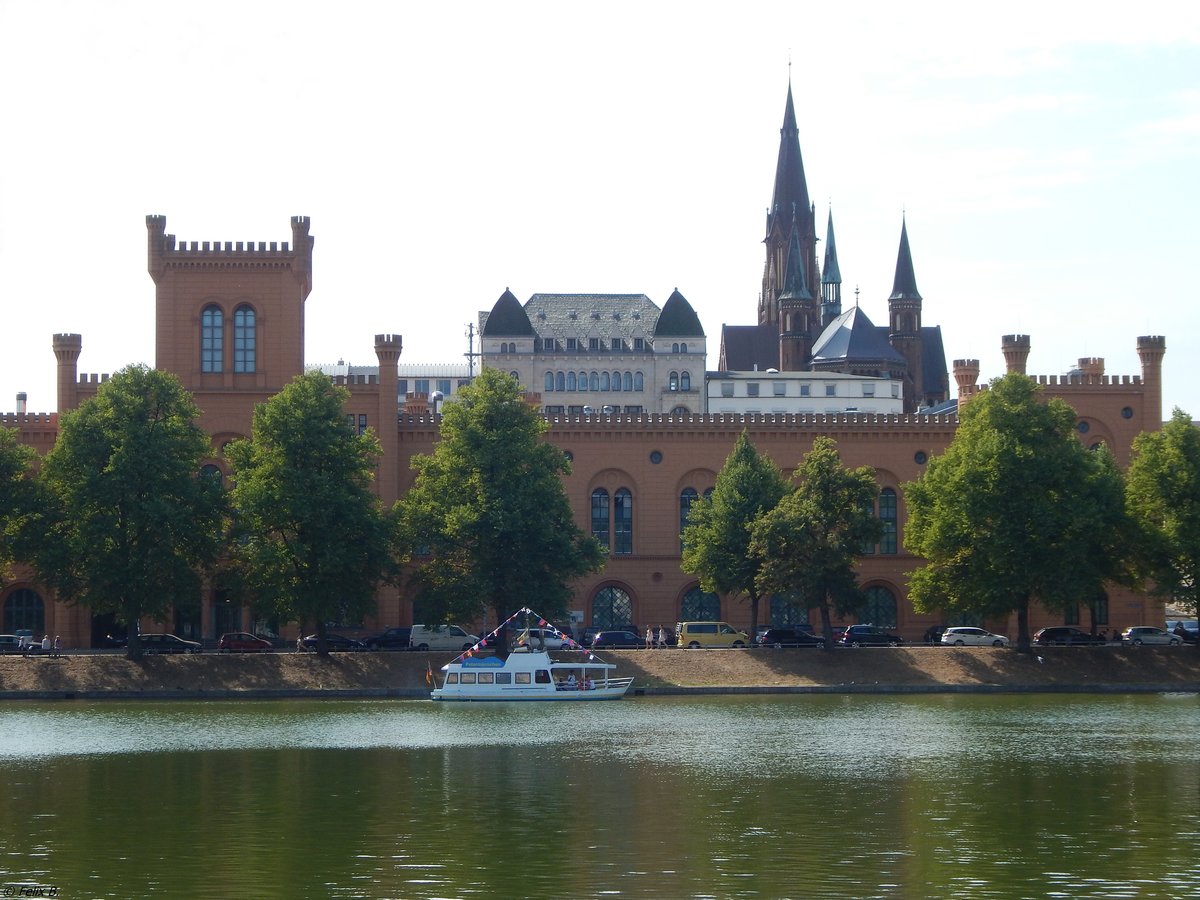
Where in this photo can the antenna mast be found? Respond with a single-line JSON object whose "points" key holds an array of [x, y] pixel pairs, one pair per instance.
{"points": [[471, 354]]}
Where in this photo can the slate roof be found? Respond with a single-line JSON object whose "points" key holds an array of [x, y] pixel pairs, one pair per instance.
{"points": [[678, 319], [506, 319], [852, 337], [746, 348], [904, 287], [581, 316]]}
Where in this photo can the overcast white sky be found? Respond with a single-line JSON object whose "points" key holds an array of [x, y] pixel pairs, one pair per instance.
{"points": [[1045, 155]]}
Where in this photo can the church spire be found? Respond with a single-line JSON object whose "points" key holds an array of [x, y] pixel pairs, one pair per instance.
{"points": [[904, 287], [831, 279], [791, 188]]}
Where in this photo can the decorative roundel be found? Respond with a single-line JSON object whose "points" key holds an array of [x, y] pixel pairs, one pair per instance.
{"points": [[656, 456], [920, 458], [1127, 412], [1083, 427]]}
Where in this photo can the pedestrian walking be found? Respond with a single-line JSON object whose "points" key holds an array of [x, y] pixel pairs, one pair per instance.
{"points": [[649, 637]]}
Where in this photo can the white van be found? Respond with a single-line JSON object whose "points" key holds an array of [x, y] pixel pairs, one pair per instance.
{"points": [[441, 637]]}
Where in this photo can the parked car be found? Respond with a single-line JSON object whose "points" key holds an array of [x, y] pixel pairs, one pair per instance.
{"points": [[243, 642], [710, 634], [789, 637], [618, 640], [1148, 634], [335, 642], [962, 636], [544, 639], [441, 637], [9, 643], [870, 636], [168, 643], [397, 638], [1187, 631], [1069, 636]]}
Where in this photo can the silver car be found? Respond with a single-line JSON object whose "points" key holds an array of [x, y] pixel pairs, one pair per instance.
{"points": [[1148, 634], [972, 637]]}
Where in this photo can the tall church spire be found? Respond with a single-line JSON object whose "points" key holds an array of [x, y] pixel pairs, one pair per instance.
{"points": [[791, 188], [904, 287], [831, 279]]}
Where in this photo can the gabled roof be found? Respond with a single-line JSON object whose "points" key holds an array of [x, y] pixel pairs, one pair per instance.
{"points": [[678, 319], [853, 338], [507, 319], [746, 348]]}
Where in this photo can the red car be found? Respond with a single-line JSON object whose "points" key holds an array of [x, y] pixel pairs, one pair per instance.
{"points": [[241, 642]]}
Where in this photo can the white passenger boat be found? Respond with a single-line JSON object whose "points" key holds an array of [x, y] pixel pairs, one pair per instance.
{"points": [[529, 675]]}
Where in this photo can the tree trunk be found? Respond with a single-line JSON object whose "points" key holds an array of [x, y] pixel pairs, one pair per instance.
{"points": [[1023, 643], [826, 624], [133, 642], [322, 644], [753, 616]]}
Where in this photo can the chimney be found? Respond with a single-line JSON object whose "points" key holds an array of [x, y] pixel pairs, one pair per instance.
{"points": [[22, 402]]}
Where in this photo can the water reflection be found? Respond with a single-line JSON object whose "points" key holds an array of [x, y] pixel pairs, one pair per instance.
{"points": [[726, 797]]}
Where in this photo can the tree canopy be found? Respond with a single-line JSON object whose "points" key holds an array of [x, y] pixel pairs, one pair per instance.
{"points": [[487, 520], [1163, 493], [17, 494], [131, 521], [809, 543], [716, 540], [312, 541], [1016, 510]]}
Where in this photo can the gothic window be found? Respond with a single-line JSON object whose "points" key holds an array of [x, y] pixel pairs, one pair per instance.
{"points": [[685, 381], [594, 381], [549, 381], [887, 515], [623, 521], [245, 340], [611, 608], [673, 381], [516, 376], [699, 606], [570, 381], [616, 381], [560, 381], [604, 381], [880, 609], [627, 381], [600, 515], [638, 381], [212, 339]]}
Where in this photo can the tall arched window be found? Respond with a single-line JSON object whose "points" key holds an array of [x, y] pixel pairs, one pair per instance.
{"points": [[673, 381], [616, 381], [549, 381], [604, 381], [560, 381], [611, 608], [212, 339], [880, 609], [638, 381], [600, 515], [675, 347], [594, 381], [687, 497], [683, 347], [23, 608], [245, 340], [699, 606], [785, 613], [887, 516], [583, 381], [570, 381], [627, 381], [623, 521], [685, 381]]}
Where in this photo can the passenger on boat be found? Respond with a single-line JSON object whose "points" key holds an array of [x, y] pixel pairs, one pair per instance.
{"points": [[571, 685]]}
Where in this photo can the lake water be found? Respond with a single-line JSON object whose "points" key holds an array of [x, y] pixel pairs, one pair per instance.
{"points": [[798, 796]]}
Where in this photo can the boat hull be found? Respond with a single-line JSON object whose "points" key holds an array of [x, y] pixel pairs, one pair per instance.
{"points": [[526, 695]]}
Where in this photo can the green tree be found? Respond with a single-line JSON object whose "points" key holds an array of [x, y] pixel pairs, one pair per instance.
{"points": [[18, 491], [132, 522], [487, 514], [716, 540], [312, 541], [1016, 510], [808, 544], [1163, 494]]}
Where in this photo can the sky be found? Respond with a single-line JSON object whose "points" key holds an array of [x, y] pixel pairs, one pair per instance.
{"points": [[1044, 156]]}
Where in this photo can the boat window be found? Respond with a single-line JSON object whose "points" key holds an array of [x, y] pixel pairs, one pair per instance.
{"points": [[486, 677], [504, 678], [522, 678], [452, 678], [468, 677], [543, 676]]}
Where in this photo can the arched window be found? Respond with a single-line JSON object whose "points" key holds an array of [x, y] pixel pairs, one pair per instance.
{"points": [[600, 515], [583, 381], [208, 470], [604, 381], [638, 381], [887, 516], [880, 609], [245, 340], [680, 411], [673, 381], [611, 608], [212, 339], [549, 381], [623, 521], [627, 381], [785, 613], [699, 606], [23, 608], [687, 497], [616, 381], [675, 347], [685, 381], [560, 381], [570, 381], [683, 348]]}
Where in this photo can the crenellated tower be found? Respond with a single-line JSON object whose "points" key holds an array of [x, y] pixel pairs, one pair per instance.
{"points": [[387, 352], [67, 348], [1150, 350]]}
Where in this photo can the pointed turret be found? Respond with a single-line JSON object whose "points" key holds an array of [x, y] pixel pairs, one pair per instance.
{"points": [[678, 318], [904, 287], [831, 279], [508, 319], [904, 319], [796, 310], [791, 188]]}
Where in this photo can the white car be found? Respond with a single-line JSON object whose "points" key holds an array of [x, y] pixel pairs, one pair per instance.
{"points": [[545, 638], [972, 637], [1148, 634]]}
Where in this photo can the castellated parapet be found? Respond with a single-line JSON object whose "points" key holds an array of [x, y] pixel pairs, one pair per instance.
{"points": [[1016, 352]]}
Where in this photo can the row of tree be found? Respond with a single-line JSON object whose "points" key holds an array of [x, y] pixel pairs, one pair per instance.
{"points": [[1015, 511], [122, 517]]}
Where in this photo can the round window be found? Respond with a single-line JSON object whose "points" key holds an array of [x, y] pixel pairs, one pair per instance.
{"points": [[1127, 412], [920, 458], [1083, 427], [655, 456]]}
